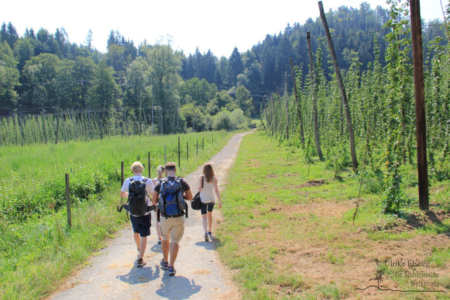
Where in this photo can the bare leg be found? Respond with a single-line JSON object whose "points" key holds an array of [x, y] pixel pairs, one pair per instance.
{"points": [[173, 253], [209, 221], [204, 223], [137, 239], [158, 230], [143, 245], [165, 249]]}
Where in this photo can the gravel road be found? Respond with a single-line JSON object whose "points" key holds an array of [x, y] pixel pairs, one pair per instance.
{"points": [[111, 274]]}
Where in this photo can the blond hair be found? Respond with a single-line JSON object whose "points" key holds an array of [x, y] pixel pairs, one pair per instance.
{"points": [[137, 167], [160, 170], [208, 172]]}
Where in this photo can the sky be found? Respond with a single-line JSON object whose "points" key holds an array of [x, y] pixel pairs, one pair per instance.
{"points": [[214, 25]]}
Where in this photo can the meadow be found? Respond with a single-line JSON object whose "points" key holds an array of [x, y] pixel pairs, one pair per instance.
{"points": [[290, 230], [37, 247]]}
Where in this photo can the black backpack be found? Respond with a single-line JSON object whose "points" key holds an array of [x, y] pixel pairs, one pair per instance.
{"points": [[137, 195]]}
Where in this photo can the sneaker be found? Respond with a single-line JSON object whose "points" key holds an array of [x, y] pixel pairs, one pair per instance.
{"points": [[210, 235], [164, 264], [159, 241], [206, 237], [140, 263], [172, 271]]}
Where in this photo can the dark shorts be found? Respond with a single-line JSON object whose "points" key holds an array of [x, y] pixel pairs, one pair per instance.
{"points": [[141, 225], [207, 206]]}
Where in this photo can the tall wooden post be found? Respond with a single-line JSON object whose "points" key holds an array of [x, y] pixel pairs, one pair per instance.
{"points": [[57, 127], [203, 144], [286, 104], [313, 92], [179, 162], [187, 151], [149, 167], [299, 109], [69, 215], [165, 155], [342, 88], [419, 87], [196, 149]]}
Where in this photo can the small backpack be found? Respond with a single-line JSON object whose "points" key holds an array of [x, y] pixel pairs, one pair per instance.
{"points": [[171, 202], [137, 195]]}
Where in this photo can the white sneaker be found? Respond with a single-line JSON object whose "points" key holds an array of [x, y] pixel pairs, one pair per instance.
{"points": [[210, 236]]}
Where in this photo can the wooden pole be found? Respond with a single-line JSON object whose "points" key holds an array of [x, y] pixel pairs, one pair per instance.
{"points": [[342, 88], [121, 173], [69, 216], [419, 87], [187, 151], [203, 144], [313, 92], [196, 149], [165, 155], [149, 167], [179, 153], [286, 104], [57, 127], [299, 109]]}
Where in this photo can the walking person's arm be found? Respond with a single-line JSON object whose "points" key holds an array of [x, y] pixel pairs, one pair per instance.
{"points": [[155, 197], [216, 189], [200, 185]]}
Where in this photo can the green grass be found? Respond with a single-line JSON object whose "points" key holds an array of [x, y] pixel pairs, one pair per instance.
{"points": [[37, 248], [273, 219]]}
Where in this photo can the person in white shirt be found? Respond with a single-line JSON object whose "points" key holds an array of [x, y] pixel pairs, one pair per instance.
{"points": [[141, 224], [160, 172], [207, 186]]}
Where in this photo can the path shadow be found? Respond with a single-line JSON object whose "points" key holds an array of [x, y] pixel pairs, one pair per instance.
{"points": [[206, 245], [177, 287], [156, 248], [140, 275]]}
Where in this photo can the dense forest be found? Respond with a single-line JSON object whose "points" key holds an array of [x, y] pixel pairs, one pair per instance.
{"points": [[147, 88]]}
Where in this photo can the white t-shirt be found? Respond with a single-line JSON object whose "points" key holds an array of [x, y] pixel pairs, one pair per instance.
{"points": [[149, 186]]}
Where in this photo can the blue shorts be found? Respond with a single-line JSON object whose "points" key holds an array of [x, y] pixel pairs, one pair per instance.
{"points": [[207, 206], [141, 225]]}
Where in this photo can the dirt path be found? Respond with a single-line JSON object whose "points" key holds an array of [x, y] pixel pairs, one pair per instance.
{"points": [[200, 274]]}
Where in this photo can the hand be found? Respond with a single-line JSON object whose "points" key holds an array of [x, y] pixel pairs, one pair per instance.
{"points": [[220, 204]]}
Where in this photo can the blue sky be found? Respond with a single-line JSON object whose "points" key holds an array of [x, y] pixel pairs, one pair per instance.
{"points": [[219, 26]]}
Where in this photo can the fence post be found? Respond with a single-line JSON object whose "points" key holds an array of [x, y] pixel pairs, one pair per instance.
{"points": [[69, 216], [187, 151], [196, 149], [179, 152], [165, 156], [203, 144], [149, 167]]}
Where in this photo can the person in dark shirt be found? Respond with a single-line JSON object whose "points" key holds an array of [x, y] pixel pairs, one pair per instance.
{"points": [[172, 228]]}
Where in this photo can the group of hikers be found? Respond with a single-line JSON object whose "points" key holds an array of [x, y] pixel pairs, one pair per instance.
{"points": [[166, 195]]}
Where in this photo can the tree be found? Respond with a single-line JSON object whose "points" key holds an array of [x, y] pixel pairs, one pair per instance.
{"points": [[165, 65], [235, 66], [23, 51], [244, 100], [9, 76], [43, 69]]}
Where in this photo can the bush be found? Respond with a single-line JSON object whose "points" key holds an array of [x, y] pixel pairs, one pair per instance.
{"points": [[239, 120], [222, 121]]}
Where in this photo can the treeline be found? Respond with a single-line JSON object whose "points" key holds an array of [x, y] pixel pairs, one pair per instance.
{"points": [[45, 71], [45, 80], [382, 109]]}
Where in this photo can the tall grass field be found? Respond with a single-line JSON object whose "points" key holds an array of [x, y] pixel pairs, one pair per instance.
{"points": [[37, 247]]}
